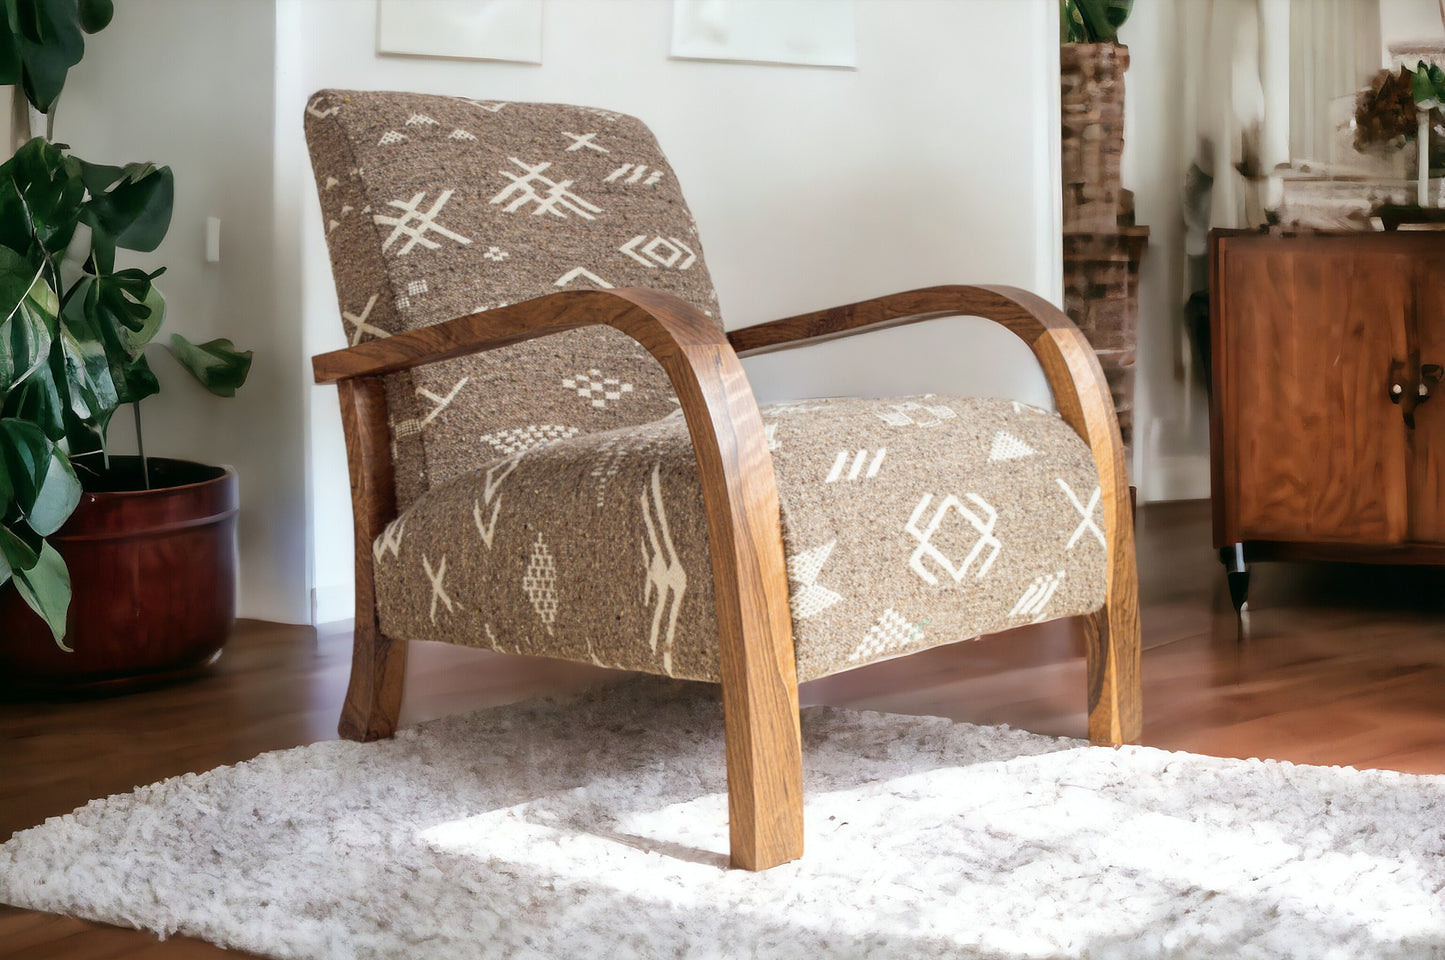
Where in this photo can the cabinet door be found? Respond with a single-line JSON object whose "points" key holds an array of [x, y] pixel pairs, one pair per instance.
{"points": [[1427, 440], [1309, 328]]}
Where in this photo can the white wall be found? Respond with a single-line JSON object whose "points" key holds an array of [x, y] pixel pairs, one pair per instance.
{"points": [[191, 83], [935, 161], [1406, 20]]}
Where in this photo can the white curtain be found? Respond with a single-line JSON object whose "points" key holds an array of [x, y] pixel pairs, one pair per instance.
{"points": [[1334, 49]]}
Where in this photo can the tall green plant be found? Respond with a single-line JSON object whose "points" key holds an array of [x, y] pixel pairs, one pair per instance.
{"points": [[73, 327], [1092, 21]]}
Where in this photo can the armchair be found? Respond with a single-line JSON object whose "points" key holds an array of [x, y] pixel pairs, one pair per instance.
{"points": [[554, 449]]}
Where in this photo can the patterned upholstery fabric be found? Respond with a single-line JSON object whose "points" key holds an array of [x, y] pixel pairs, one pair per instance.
{"points": [[437, 207], [906, 523], [550, 497]]}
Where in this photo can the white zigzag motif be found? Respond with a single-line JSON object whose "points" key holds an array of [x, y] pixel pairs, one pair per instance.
{"points": [[391, 137], [1036, 597], [809, 598], [637, 174], [558, 200], [982, 526], [584, 140], [491, 106], [313, 108], [1085, 511], [891, 632], [528, 437], [1006, 446], [359, 322], [415, 224], [490, 498], [911, 413], [660, 251], [584, 274], [460, 134], [666, 580], [390, 540], [421, 119], [540, 584], [856, 469], [770, 433], [438, 592]]}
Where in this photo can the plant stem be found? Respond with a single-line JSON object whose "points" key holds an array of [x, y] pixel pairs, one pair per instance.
{"points": [[141, 445]]}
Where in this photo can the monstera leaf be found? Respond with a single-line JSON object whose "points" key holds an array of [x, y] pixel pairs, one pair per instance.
{"points": [[43, 40], [1092, 21], [217, 364]]}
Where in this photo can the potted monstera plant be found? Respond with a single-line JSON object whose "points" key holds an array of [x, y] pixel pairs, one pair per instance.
{"points": [[111, 567]]}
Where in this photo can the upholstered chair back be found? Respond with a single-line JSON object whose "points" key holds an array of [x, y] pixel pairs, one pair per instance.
{"points": [[437, 207]]}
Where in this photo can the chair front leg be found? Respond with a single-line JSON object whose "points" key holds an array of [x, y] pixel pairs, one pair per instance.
{"points": [[378, 664], [1112, 641]]}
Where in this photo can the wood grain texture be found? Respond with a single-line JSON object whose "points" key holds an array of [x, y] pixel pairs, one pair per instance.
{"points": [[1312, 330], [1427, 439], [378, 663], [756, 658], [1082, 395]]}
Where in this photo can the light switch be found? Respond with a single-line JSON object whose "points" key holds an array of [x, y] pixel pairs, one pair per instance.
{"points": [[213, 239]]}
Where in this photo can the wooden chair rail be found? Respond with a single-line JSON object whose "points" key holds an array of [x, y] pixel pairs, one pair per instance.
{"points": [[756, 657]]}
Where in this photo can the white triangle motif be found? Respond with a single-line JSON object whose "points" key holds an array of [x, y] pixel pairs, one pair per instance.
{"points": [[1006, 446]]}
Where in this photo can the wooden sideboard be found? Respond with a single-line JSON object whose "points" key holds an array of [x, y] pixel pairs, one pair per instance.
{"points": [[1326, 440]]}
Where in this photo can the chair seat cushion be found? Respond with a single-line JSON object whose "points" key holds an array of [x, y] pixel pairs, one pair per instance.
{"points": [[906, 523]]}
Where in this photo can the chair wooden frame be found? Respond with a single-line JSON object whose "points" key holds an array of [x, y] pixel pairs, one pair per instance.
{"points": [[759, 679]]}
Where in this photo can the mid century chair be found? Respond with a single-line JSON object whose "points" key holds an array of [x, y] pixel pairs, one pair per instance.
{"points": [[554, 449]]}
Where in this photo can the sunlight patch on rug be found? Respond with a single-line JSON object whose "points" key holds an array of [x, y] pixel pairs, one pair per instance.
{"points": [[597, 825]]}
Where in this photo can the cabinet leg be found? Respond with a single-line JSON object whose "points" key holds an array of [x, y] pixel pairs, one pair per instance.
{"points": [[1237, 573]]}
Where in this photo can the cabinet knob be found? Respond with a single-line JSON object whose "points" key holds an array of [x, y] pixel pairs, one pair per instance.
{"points": [[1397, 391]]}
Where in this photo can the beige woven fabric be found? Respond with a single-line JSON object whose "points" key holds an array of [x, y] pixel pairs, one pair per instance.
{"points": [[906, 522], [437, 207]]}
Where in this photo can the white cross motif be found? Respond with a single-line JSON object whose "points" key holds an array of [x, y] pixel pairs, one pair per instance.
{"points": [[637, 172], [438, 592], [891, 632], [415, 224], [523, 191], [359, 322], [391, 137], [770, 433], [420, 119], [491, 498], [1087, 512], [912, 413], [390, 540], [441, 402], [856, 469], [983, 526], [495, 253], [666, 581], [660, 251], [1035, 599], [460, 134], [808, 598], [597, 391], [332, 182], [540, 584], [584, 140]]}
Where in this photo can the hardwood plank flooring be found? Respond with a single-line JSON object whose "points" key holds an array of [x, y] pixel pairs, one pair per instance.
{"points": [[1338, 664]]}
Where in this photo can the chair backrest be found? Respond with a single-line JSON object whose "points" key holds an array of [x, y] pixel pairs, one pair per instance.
{"points": [[437, 207]]}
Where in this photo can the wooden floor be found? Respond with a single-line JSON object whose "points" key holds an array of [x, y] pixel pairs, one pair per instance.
{"points": [[1337, 665]]}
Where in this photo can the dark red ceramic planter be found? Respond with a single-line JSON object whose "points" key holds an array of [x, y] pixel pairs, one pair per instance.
{"points": [[153, 574]]}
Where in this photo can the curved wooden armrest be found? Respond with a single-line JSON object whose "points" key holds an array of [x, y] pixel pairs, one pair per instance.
{"points": [[1082, 395], [756, 658]]}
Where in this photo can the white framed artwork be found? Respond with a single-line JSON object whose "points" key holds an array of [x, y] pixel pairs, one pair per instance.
{"points": [[461, 29], [815, 33]]}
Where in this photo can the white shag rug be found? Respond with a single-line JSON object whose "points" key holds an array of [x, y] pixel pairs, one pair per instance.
{"points": [[596, 827]]}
